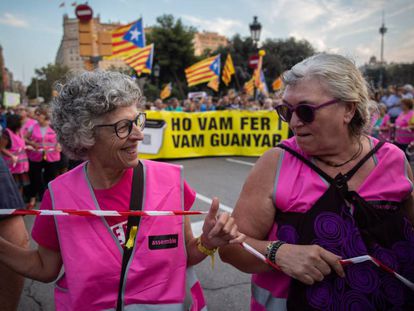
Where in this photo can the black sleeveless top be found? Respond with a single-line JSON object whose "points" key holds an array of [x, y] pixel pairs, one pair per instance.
{"points": [[345, 224]]}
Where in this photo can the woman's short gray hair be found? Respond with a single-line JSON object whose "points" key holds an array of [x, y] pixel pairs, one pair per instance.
{"points": [[83, 100], [342, 80]]}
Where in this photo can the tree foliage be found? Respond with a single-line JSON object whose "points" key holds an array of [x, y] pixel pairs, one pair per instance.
{"points": [[400, 74], [392, 74], [44, 81], [174, 49], [281, 54]]}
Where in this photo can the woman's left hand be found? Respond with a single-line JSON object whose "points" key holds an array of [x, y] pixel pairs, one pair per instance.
{"points": [[219, 229]]}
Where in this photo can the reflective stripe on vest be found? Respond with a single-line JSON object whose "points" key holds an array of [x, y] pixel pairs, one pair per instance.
{"points": [[152, 307], [265, 298], [17, 149], [197, 296]]}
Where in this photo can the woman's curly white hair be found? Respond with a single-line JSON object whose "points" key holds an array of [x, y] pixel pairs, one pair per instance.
{"points": [[83, 100]]}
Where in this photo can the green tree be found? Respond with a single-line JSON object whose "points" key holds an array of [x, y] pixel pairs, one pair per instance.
{"points": [[400, 74], [44, 81], [281, 54], [174, 50]]}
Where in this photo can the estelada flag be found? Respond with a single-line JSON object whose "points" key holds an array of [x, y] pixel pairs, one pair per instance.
{"points": [[139, 60], [126, 39], [228, 70], [214, 84], [249, 87], [203, 71], [166, 91]]}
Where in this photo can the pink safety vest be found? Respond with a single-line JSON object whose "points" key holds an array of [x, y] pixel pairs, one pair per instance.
{"points": [[27, 126], [92, 256], [384, 131], [297, 188], [47, 145], [18, 149], [402, 134]]}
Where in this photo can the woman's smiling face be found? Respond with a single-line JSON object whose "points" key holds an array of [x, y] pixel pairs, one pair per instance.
{"points": [[109, 149]]}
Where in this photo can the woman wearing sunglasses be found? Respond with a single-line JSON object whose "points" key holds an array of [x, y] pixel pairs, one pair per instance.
{"points": [[97, 119], [329, 192]]}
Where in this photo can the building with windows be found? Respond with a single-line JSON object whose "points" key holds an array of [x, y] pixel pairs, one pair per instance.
{"points": [[208, 41], [94, 39], [69, 52]]}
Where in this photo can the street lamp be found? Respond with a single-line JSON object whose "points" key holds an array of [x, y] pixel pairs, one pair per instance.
{"points": [[255, 29]]}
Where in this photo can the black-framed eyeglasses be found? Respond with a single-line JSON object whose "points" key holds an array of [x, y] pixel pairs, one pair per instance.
{"points": [[123, 128], [305, 112]]}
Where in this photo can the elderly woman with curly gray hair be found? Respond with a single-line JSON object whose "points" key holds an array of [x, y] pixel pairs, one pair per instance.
{"points": [[329, 192], [96, 117]]}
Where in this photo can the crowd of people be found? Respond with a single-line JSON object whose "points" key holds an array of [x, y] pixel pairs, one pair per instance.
{"points": [[393, 117], [330, 192], [231, 101]]}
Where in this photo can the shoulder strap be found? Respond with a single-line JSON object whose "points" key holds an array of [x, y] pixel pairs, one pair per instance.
{"points": [[340, 179], [353, 170], [135, 204], [307, 162]]}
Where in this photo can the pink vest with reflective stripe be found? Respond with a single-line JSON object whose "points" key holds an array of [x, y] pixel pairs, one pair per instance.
{"points": [[18, 149], [298, 187], [92, 255], [47, 145], [402, 134]]}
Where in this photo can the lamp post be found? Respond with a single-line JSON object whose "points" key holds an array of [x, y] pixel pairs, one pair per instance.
{"points": [[255, 29]]}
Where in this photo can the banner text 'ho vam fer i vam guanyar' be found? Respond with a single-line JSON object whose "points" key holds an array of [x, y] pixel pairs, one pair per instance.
{"points": [[216, 133]]}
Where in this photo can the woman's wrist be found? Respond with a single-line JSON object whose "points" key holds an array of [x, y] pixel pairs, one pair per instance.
{"points": [[203, 241], [272, 248]]}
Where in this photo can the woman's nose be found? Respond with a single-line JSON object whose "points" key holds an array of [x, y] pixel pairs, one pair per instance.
{"points": [[136, 132]]}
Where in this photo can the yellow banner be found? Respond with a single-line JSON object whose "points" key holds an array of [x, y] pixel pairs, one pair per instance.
{"points": [[216, 133]]}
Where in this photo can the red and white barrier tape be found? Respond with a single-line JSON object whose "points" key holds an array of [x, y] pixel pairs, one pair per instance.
{"points": [[98, 213], [379, 264], [343, 262]]}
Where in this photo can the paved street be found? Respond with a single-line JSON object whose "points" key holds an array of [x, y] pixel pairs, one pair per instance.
{"points": [[225, 287]]}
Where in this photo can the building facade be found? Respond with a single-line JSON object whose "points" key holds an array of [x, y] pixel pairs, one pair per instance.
{"points": [[208, 41], [79, 39], [69, 52]]}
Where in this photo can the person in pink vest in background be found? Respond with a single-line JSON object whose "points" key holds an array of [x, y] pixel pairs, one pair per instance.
{"points": [[404, 133], [330, 192], [43, 151], [27, 122], [13, 149], [97, 119]]}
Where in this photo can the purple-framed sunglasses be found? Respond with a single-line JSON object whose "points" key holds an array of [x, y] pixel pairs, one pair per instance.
{"points": [[305, 112]]}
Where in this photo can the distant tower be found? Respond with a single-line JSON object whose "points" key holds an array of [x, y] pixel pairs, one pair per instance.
{"points": [[382, 31]]}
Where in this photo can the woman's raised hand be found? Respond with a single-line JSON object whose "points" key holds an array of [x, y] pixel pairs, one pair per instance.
{"points": [[219, 228]]}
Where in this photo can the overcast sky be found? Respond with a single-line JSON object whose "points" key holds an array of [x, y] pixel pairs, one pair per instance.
{"points": [[31, 30]]}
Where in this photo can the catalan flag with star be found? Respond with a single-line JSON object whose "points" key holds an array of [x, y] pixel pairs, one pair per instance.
{"points": [[203, 71], [126, 39], [139, 60], [228, 70]]}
